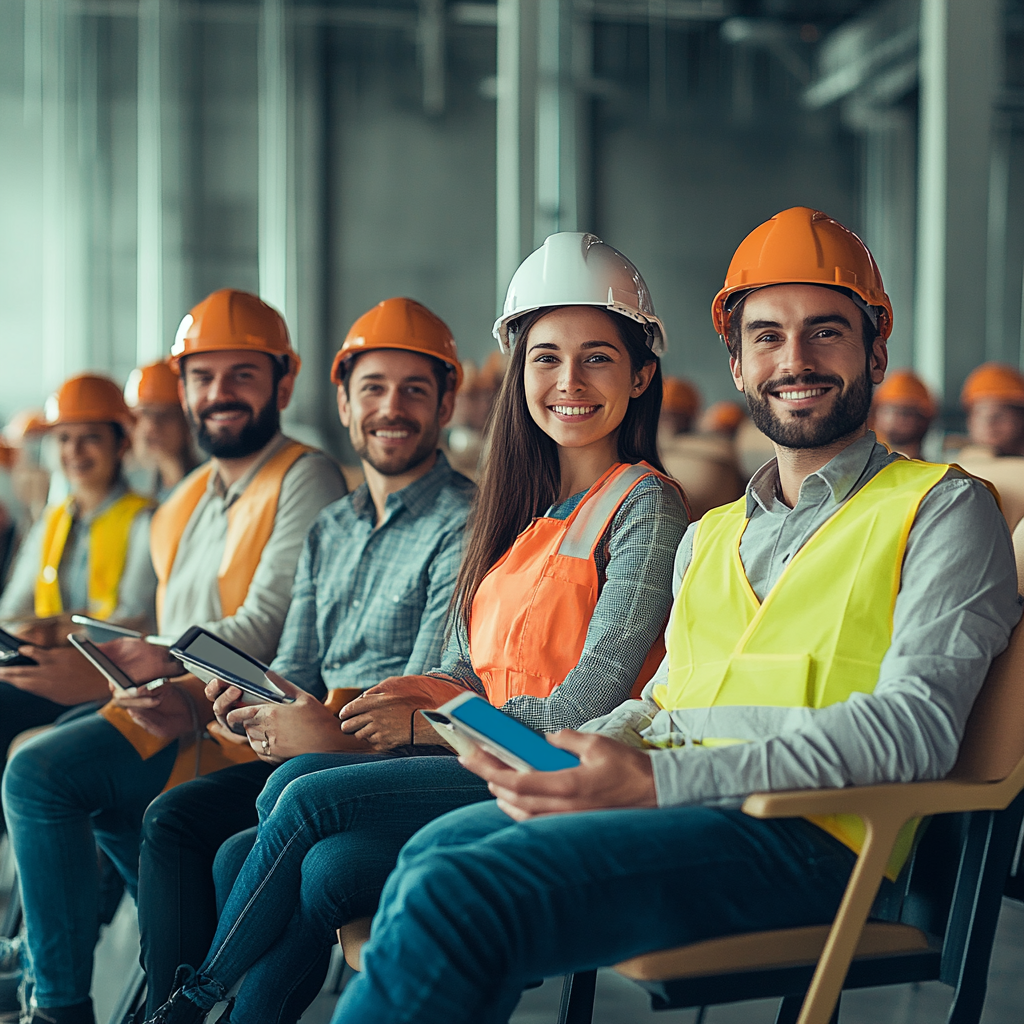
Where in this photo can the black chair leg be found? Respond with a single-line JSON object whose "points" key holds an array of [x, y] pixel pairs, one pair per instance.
{"points": [[789, 1010], [577, 1004]]}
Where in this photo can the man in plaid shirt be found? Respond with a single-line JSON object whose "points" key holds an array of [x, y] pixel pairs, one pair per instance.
{"points": [[370, 599]]}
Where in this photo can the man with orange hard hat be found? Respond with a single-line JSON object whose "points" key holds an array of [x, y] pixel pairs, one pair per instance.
{"points": [[161, 440], [830, 628], [993, 396], [224, 548], [370, 599], [902, 411]]}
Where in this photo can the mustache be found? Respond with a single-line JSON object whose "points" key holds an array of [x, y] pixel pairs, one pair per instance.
{"points": [[392, 424], [212, 410], [805, 380]]}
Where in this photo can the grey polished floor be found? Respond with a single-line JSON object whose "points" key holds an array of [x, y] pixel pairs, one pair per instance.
{"points": [[621, 1002]]}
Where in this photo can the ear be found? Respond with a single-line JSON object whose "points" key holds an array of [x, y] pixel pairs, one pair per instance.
{"points": [[736, 369], [181, 390], [446, 408], [285, 388], [344, 409], [878, 360], [642, 379]]}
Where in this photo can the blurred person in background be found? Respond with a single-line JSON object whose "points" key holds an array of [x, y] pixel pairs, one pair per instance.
{"points": [[903, 409], [162, 452], [705, 464], [722, 418], [88, 554], [993, 396], [465, 443], [24, 432]]}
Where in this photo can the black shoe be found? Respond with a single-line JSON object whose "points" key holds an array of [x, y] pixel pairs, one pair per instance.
{"points": [[179, 1009]]}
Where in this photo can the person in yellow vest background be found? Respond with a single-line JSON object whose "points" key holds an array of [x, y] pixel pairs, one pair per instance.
{"points": [[25, 432], [831, 628], [902, 410], [162, 452], [89, 554], [224, 548], [993, 396]]}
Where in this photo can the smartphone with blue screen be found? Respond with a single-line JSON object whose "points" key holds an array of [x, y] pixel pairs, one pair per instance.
{"points": [[470, 718]]}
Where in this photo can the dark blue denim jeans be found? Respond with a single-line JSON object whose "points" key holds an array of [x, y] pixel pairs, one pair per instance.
{"points": [[326, 842], [480, 905], [64, 792]]}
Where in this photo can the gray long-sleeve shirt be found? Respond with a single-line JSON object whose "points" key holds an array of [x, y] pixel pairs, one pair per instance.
{"points": [[955, 609]]}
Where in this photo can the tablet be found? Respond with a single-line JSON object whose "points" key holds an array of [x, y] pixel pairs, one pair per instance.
{"points": [[209, 657], [100, 631], [121, 681], [9, 655], [469, 717]]}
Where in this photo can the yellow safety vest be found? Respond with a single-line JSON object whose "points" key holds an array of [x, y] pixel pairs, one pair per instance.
{"points": [[820, 634], [108, 551]]}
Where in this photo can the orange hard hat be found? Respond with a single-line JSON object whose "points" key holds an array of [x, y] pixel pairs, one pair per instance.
{"points": [[404, 324], [679, 396], [997, 381], [723, 418], [8, 455], [803, 246], [88, 398], [154, 384], [23, 423], [492, 373], [228, 320], [904, 387]]}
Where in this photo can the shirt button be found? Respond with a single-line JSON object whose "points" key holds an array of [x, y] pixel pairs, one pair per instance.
{"points": [[49, 574], [355, 604], [397, 598]]}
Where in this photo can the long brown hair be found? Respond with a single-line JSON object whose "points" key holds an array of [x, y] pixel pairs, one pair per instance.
{"points": [[522, 478]]}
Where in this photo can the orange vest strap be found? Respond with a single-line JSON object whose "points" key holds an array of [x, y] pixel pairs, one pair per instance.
{"points": [[598, 510]]}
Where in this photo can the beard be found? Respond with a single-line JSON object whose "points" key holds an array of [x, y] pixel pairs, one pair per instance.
{"points": [[849, 411], [253, 436], [396, 465]]}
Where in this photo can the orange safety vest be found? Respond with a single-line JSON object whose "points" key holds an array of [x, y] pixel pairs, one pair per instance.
{"points": [[250, 524], [531, 612]]}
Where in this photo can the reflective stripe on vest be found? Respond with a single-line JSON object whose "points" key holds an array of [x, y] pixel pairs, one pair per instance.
{"points": [[821, 632], [532, 610], [109, 534]]}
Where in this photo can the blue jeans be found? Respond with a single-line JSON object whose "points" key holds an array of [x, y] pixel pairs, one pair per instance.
{"points": [[480, 905], [325, 845], [65, 791]]}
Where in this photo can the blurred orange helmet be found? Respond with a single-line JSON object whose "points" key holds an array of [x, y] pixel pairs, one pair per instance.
{"points": [[723, 418], [997, 381], [803, 246], [231, 320], [153, 384], [404, 324], [24, 423], [679, 396], [88, 398], [8, 455], [904, 387]]}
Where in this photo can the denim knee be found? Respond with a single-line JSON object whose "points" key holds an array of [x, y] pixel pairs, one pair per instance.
{"points": [[464, 825], [277, 783], [34, 774]]}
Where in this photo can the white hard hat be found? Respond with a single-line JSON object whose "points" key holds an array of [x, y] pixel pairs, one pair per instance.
{"points": [[576, 269]]}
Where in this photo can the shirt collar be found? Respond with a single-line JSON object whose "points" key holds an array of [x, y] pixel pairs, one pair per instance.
{"points": [[415, 498], [837, 477], [118, 491], [229, 495]]}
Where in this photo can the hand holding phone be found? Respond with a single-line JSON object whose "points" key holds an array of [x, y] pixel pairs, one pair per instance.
{"points": [[9, 654], [469, 718], [122, 684]]}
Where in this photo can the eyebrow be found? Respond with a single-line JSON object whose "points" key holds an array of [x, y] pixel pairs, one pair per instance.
{"points": [[596, 343], [413, 379], [234, 366], [810, 321]]}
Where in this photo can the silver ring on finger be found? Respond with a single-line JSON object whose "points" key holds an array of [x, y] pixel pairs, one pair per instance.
{"points": [[266, 745]]}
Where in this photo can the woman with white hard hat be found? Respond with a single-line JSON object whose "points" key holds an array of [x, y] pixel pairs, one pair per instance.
{"points": [[558, 615]]}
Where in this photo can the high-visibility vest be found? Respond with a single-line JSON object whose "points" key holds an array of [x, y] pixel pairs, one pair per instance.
{"points": [[821, 632], [531, 612], [250, 524], [109, 534]]}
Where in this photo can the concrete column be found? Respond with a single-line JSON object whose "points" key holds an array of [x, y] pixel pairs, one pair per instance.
{"points": [[149, 340], [957, 59], [274, 150]]}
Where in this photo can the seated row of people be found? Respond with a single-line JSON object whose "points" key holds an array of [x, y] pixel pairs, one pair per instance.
{"points": [[552, 608]]}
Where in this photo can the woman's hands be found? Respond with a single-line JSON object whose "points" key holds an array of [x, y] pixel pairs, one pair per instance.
{"points": [[383, 715], [62, 675]]}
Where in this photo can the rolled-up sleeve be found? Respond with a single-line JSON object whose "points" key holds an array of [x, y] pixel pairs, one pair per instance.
{"points": [[954, 613]]}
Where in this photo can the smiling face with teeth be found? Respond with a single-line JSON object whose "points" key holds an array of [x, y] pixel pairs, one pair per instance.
{"points": [[579, 380], [805, 365]]}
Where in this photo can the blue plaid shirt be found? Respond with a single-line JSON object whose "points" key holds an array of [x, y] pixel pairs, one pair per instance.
{"points": [[371, 601]]}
